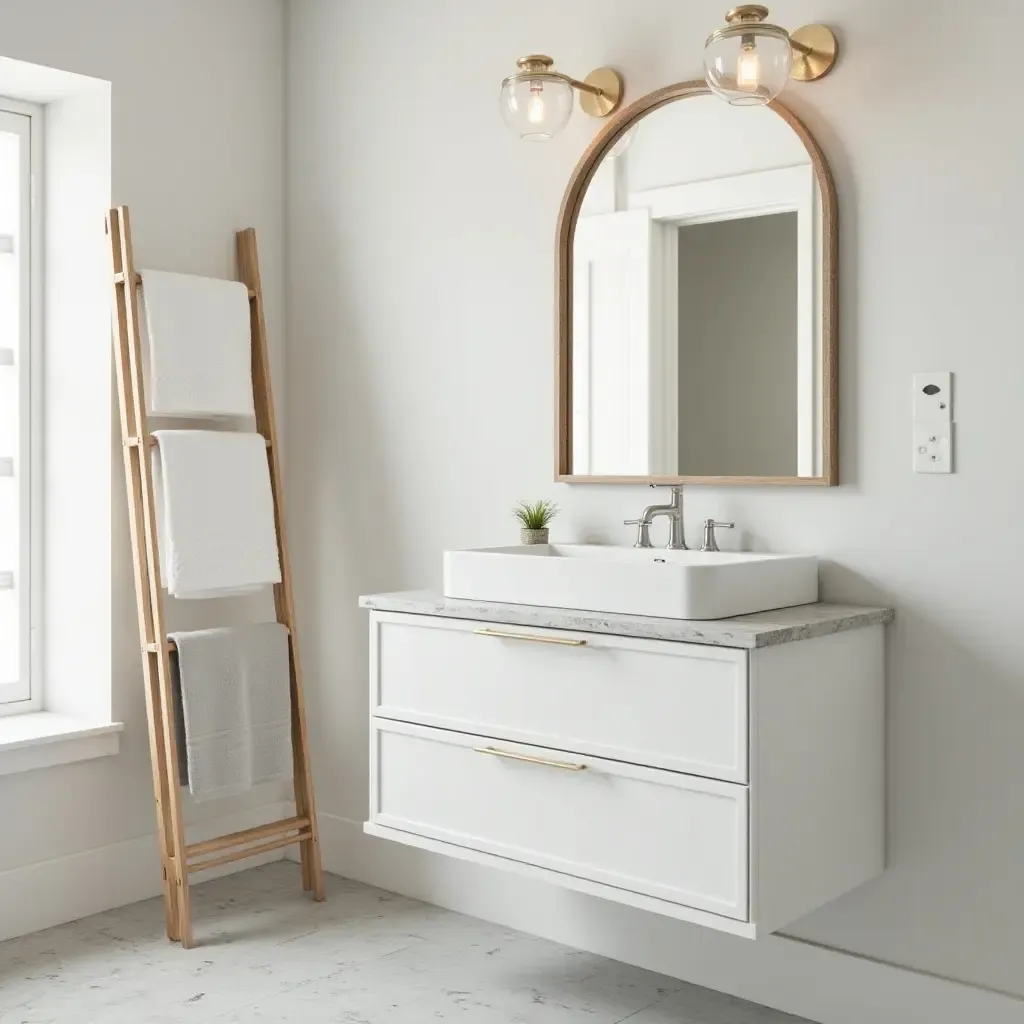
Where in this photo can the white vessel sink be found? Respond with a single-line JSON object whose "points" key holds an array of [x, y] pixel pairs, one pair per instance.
{"points": [[632, 581]]}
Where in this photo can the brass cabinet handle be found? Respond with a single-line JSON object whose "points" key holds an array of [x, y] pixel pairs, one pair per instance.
{"points": [[563, 641], [564, 765]]}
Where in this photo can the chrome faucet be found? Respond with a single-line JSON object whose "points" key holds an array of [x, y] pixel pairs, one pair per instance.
{"points": [[710, 540], [674, 511]]}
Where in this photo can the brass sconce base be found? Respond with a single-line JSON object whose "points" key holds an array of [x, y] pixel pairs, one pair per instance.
{"points": [[814, 52], [609, 99]]}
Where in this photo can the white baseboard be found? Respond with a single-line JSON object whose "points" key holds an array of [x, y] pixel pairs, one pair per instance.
{"points": [[51, 892], [822, 985]]}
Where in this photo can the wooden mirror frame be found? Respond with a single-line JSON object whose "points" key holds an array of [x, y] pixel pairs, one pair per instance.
{"points": [[571, 203]]}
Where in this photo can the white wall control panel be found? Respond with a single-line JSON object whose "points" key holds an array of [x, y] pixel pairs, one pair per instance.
{"points": [[933, 397], [933, 447], [933, 423]]}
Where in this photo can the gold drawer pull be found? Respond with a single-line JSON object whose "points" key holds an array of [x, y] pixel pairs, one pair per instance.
{"points": [[564, 765], [563, 641]]}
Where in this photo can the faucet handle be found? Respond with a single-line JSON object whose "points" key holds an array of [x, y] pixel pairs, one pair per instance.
{"points": [[643, 535], [710, 542]]}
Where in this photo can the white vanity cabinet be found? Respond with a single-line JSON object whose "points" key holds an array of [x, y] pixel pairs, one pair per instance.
{"points": [[733, 786]]}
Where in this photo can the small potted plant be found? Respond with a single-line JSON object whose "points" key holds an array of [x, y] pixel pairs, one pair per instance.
{"points": [[534, 519]]}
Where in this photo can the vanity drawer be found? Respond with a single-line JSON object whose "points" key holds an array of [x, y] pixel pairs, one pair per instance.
{"points": [[670, 836], [682, 707]]}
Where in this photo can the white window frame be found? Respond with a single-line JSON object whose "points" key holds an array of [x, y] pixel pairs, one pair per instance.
{"points": [[26, 120]]}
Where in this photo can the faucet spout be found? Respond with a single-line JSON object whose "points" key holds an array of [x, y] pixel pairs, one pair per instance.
{"points": [[673, 511]]}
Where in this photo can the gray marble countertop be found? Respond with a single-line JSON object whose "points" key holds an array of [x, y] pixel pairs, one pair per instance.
{"points": [[762, 629]]}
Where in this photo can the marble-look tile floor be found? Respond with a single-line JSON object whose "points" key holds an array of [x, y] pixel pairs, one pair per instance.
{"points": [[268, 954]]}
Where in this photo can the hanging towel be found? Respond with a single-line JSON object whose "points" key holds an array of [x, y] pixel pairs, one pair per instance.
{"points": [[233, 706], [198, 346], [215, 513]]}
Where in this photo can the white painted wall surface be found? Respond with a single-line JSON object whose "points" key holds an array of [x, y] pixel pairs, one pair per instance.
{"points": [[699, 140], [420, 401], [197, 131], [703, 139]]}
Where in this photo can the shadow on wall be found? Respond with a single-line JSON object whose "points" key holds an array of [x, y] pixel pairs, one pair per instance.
{"points": [[933, 718], [347, 495]]}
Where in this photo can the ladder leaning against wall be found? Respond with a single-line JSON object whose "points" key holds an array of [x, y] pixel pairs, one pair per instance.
{"points": [[181, 860]]}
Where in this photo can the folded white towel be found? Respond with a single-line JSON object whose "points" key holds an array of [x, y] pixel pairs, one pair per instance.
{"points": [[233, 706], [215, 513], [198, 346]]}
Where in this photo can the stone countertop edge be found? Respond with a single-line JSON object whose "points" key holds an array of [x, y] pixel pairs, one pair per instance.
{"points": [[762, 629]]}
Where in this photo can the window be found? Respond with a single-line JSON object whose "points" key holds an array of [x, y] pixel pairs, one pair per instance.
{"points": [[20, 147]]}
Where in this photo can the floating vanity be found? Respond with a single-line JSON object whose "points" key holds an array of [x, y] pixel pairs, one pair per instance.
{"points": [[724, 772], [653, 750]]}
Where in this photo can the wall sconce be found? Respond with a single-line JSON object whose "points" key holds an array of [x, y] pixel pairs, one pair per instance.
{"points": [[748, 61], [536, 101]]}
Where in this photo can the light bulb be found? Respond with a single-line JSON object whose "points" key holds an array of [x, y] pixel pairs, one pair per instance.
{"points": [[536, 103], [748, 69], [536, 110], [748, 62]]}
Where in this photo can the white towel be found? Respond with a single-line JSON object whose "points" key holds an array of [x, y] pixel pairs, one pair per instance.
{"points": [[198, 346], [233, 706], [215, 513]]}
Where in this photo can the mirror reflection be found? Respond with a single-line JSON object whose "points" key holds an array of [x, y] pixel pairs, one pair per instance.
{"points": [[696, 328]]}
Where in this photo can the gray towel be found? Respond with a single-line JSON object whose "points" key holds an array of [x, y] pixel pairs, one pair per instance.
{"points": [[232, 708]]}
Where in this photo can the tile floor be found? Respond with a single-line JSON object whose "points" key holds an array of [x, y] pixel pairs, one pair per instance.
{"points": [[363, 957]]}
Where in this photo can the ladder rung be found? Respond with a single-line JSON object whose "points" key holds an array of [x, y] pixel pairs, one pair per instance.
{"points": [[154, 648], [119, 279], [251, 851], [247, 835], [134, 442]]}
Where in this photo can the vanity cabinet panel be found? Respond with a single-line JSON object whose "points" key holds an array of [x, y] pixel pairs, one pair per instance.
{"points": [[735, 788], [817, 771], [681, 707], [667, 835]]}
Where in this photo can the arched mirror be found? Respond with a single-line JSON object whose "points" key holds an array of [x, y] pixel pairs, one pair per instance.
{"points": [[696, 299]]}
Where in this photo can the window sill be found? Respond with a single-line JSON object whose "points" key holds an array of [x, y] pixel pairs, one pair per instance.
{"points": [[42, 739]]}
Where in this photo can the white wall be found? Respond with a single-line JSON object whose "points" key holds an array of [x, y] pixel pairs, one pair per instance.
{"points": [[703, 139], [197, 125], [698, 140], [420, 401]]}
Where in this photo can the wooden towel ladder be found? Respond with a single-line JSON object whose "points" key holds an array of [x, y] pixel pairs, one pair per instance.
{"points": [[181, 859]]}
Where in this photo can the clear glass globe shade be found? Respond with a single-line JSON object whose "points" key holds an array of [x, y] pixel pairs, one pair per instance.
{"points": [[536, 108], [748, 68]]}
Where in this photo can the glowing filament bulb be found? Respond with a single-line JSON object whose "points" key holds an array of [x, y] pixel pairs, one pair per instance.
{"points": [[748, 69], [535, 109]]}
